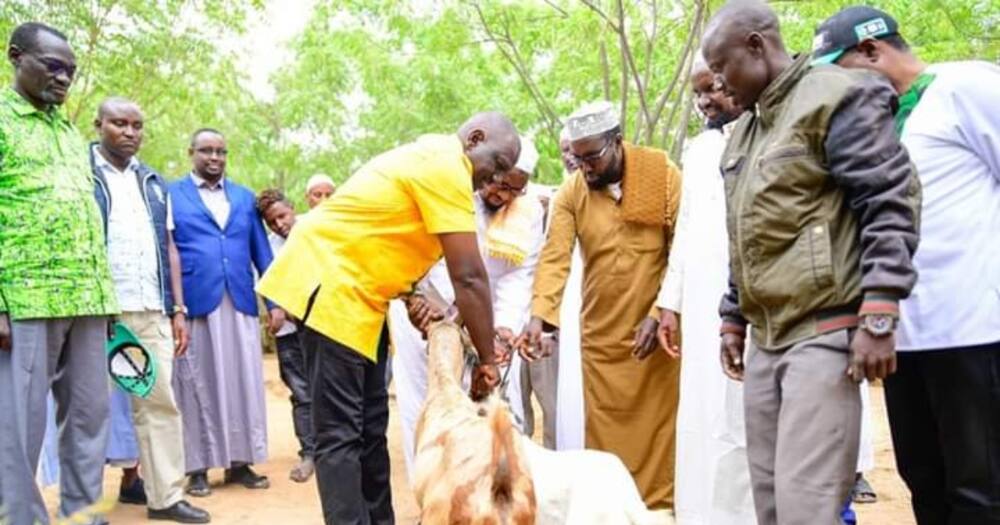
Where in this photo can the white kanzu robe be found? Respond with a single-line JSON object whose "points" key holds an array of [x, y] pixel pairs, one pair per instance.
{"points": [[712, 478]]}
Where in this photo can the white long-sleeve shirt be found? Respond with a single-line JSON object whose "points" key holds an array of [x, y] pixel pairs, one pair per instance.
{"points": [[953, 137]]}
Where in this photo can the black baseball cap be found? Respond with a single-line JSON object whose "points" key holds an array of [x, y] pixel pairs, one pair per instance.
{"points": [[848, 28]]}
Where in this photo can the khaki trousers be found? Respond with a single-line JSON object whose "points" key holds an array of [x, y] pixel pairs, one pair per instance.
{"points": [[541, 377], [157, 420], [803, 421]]}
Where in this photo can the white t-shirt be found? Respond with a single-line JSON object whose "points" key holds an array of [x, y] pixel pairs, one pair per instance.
{"points": [[953, 137]]}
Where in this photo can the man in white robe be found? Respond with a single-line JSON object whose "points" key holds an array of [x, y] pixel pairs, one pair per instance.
{"points": [[712, 479], [510, 231], [569, 385]]}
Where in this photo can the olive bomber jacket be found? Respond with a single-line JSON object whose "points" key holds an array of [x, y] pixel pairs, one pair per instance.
{"points": [[822, 207]]}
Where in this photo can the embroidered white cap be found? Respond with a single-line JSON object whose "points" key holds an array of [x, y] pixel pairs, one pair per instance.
{"points": [[316, 180], [592, 119], [529, 156]]}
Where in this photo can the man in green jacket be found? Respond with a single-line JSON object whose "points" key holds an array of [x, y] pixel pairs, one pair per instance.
{"points": [[822, 206]]}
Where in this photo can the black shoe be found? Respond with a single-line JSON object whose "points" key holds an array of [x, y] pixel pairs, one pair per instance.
{"points": [[181, 512], [245, 476], [198, 485], [134, 494]]}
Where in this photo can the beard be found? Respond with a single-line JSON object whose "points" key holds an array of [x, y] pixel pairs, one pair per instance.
{"points": [[720, 121], [610, 175]]}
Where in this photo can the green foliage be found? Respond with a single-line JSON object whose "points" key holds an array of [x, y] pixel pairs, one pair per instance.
{"points": [[138, 49], [368, 75]]}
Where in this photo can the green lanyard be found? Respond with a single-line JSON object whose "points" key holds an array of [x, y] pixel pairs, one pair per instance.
{"points": [[909, 100]]}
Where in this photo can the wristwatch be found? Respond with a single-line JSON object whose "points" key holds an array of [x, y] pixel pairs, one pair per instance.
{"points": [[180, 309], [878, 325]]}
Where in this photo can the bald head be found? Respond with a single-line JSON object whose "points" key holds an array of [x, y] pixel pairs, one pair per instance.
{"points": [[699, 66], [492, 144], [710, 96], [115, 105], [742, 17], [742, 44], [119, 124]]}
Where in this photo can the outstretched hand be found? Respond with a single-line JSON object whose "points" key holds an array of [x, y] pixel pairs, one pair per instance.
{"points": [[422, 313], [731, 352], [533, 344], [485, 377], [5, 336], [669, 333], [645, 338]]}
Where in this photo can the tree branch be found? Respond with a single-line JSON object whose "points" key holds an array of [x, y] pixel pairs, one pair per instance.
{"points": [[627, 53], [685, 52], [605, 70], [678, 145], [505, 44], [650, 39], [94, 34], [685, 68], [557, 8], [601, 13]]}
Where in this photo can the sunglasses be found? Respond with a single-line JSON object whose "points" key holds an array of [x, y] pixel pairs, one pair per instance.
{"points": [[54, 66], [591, 158]]}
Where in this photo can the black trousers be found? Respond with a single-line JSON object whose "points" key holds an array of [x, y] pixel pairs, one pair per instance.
{"points": [[944, 413], [293, 370], [350, 417]]}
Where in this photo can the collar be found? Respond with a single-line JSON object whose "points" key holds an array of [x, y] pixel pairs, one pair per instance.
{"points": [[105, 164], [908, 101], [727, 129], [202, 183], [24, 108], [774, 94]]}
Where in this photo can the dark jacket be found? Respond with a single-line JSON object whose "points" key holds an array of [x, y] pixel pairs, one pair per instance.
{"points": [[216, 260], [822, 206], [154, 193]]}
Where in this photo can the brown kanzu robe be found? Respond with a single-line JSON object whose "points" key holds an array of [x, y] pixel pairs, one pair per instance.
{"points": [[630, 405]]}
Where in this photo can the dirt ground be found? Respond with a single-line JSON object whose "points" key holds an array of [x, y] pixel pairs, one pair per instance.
{"points": [[290, 503]]}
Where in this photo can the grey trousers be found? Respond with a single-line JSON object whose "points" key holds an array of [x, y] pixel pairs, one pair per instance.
{"points": [[803, 421], [541, 377], [69, 354]]}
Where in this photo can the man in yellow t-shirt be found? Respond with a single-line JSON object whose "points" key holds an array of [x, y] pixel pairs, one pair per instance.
{"points": [[346, 259]]}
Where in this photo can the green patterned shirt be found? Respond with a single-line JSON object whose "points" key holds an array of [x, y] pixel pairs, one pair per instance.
{"points": [[53, 262]]}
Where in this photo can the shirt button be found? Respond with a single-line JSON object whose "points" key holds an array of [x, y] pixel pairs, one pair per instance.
{"points": [[223, 236]]}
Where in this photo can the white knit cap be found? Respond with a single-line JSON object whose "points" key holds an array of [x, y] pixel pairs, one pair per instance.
{"points": [[592, 119], [316, 180], [529, 156]]}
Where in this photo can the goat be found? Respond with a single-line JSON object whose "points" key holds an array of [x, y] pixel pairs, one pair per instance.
{"points": [[473, 467], [469, 468]]}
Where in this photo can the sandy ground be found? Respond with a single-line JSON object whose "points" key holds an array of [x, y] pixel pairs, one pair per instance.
{"points": [[290, 503]]}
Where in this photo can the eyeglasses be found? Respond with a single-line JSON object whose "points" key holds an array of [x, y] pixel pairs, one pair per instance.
{"points": [[221, 152], [593, 157], [503, 186], [55, 66]]}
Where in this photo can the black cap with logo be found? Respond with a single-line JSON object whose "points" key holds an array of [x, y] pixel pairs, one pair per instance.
{"points": [[848, 28]]}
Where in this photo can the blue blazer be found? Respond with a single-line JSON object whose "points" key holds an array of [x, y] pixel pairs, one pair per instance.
{"points": [[216, 259]]}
